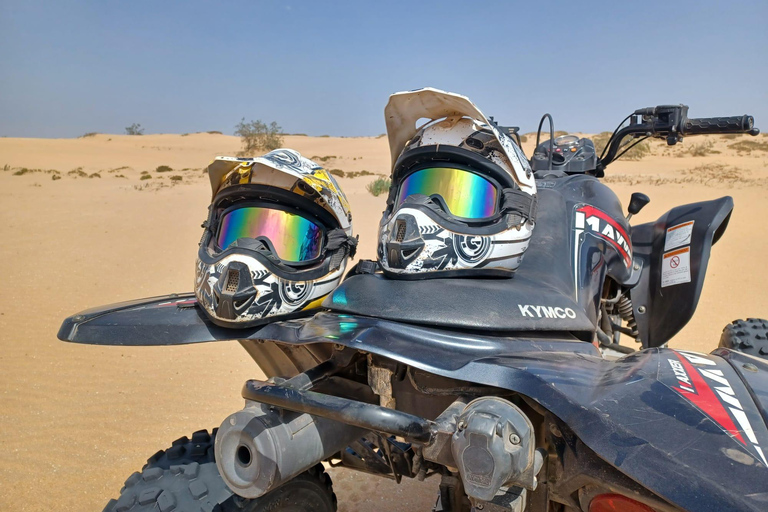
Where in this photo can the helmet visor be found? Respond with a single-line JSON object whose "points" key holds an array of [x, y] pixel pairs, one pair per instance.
{"points": [[293, 238], [465, 194]]}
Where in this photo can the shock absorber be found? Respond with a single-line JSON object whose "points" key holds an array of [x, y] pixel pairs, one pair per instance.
{"points": [[627, 314]]}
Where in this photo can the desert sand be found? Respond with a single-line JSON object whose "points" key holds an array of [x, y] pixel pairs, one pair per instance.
{"points": [[77, 420]]}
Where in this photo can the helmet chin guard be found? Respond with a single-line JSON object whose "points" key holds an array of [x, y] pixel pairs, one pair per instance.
{"points": [[458, 161]]}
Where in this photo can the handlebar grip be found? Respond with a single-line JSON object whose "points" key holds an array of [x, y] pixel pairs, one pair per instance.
{"points": [[703, 125]]}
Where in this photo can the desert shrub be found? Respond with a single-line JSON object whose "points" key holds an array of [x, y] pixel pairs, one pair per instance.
{"points": [[638, 152], [163, 168], [748, 146], [145, 176], [119, 168], [95, 175], [120, 176], [214, 132], [176, 178], [6, 167], [378, 186], [356, 174], [89, 134], [78, 173], [55, 177], [523, 138], [257, 136], [24, 170], [323, 159], [184, 134], [337, 172], [700, 149], [134, 129]]}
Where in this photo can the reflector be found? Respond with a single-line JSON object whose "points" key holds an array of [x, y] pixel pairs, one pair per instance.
{"points": [[616, 503]]}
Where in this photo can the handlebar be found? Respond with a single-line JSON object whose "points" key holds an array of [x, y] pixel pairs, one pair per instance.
{"points": [[671, 122], [735, 124]]}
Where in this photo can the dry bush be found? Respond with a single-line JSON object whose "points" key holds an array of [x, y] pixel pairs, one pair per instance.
{"points": [[78, 173], [257, 136], [24, 170], [378, 186], [163, 168], [357, 174], [134, 129], [640, 151], [713, 174], [747, 146], [701, 149]]}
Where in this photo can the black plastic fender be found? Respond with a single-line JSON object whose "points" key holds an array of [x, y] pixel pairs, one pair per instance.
{"points": [[689, 427], [674, 265], [174, 319]]}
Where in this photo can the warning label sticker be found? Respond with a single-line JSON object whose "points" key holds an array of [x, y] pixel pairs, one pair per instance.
{"points": [[676, 267], [678, 236]]}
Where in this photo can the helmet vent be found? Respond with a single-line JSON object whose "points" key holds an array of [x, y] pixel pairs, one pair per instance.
{"points": [[233, 279], [400, 234], [474, 143]]}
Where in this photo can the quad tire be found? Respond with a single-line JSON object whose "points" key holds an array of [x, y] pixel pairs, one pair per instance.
{"points": [[184, 478], [749, 336]]}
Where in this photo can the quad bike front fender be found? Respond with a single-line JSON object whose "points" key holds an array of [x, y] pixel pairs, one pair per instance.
{"points": [[674, 253]]}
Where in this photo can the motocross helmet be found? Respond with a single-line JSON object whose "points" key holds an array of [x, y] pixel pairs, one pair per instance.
{"points": [[276, 241], [463, 198]]}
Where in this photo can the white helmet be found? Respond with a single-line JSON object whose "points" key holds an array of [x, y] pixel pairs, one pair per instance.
{"points": [[276, 241], [463, 197]]}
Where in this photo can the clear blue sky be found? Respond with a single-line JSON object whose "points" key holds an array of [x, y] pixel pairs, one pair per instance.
{"points": [[315, 67]]}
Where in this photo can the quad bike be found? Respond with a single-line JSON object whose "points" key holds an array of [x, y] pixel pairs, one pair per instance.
{"points": [[516, 393]]}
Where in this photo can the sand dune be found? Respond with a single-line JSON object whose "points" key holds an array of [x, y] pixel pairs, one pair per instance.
{"points": [[77, 420]]}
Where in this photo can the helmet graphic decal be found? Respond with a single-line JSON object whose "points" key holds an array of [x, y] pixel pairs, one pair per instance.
{"points": [[471, 249]]}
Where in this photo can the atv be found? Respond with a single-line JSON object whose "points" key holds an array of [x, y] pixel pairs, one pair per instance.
{"points": [[517, 394]]}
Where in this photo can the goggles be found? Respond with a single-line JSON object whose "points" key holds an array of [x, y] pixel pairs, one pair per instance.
{"points": [[464, 193], [292, 238]]}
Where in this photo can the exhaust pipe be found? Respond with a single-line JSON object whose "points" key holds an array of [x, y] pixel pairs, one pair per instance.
{"points": [[260, 448]]}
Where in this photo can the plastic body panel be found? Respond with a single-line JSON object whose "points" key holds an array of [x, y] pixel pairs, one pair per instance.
{"points": [[174, 319], [661, 311], [628, 411]]}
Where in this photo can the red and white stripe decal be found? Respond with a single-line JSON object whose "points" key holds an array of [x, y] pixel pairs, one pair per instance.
{"points": [[719, 403]]}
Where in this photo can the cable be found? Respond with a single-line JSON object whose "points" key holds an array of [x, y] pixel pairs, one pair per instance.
{"points": [[608, 144], [551, 137], [630, 147]]}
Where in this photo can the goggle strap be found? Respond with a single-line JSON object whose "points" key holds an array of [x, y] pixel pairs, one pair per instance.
{"points": [[517, 201], [340, 245]]}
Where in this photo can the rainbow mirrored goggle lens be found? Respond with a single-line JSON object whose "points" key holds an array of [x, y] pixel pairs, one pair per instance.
{"points": [[466, 194], [293, 237]]}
